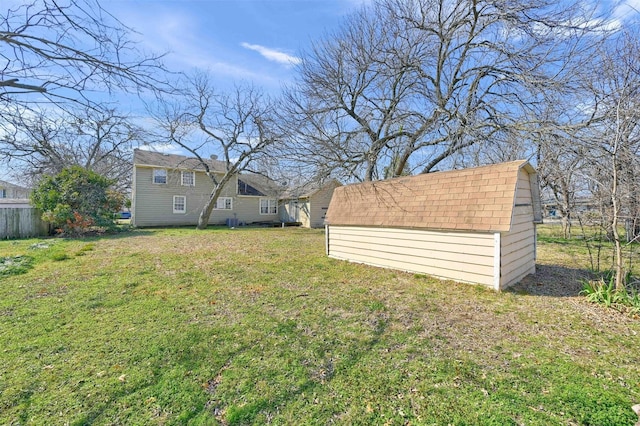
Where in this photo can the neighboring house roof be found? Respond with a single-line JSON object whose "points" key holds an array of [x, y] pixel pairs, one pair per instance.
{"points": [[475, 199], [308, 189], [5, 184], [173, 161]]}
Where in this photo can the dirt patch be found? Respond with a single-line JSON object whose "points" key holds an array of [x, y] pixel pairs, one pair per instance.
{"points": [[553, 281]]}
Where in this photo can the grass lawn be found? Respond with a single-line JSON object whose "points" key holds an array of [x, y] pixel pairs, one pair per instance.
{"points": [[255, 326]]}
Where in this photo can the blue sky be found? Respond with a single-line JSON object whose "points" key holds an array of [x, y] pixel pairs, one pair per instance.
{"points": [[258, 41], [255, 41], [235, 41]]}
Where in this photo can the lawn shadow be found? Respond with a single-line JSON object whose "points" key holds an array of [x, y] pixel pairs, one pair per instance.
{"points": [[553, 281], [250, 411]]}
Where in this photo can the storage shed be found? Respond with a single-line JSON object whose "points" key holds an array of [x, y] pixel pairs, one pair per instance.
{"points": [[475, 225]]}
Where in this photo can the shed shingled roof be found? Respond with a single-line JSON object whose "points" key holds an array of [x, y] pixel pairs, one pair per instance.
{"points": [[158, 159], [474, 199]]}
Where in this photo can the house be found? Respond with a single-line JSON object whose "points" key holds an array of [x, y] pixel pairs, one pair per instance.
{"points": [[11, 191], [170, 189], [14, 196], [475, 225], [308, 204]]}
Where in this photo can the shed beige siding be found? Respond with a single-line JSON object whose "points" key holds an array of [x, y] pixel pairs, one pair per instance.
{"points": [[517, 247], [459, 256], [153, 203]]}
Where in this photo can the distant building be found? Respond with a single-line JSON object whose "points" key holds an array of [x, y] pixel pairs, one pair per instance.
{"points": [[11, 191]]}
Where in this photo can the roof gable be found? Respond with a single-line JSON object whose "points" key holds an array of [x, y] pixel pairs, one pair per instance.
{"points": [[173, 161], [257, 184], [475, 199]]}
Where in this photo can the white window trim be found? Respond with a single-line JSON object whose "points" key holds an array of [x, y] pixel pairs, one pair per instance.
{"points": [[193, 180], [269, 206], [153, 176], [225, 202], [184, 199]]}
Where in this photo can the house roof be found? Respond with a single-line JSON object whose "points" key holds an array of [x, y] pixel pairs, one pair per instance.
{"points": [[308, 189], [474, 199], [260, 183], [5, 184], [173, 161]]}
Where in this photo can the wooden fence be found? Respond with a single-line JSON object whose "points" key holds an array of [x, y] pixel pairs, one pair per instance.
{"points": [[21, 222]]}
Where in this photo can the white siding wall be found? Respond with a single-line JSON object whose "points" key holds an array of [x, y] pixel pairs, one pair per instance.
{"points": [[459, 256], [518, 245], [153, 203]]}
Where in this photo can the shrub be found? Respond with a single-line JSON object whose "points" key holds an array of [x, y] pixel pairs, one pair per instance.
{"points": [[77, 200], [603, 291]]}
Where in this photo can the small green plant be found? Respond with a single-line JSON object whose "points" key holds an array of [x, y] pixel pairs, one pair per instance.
{"points": [[85, 248], [603, 291], [634, 302], [58, 257], [15, 265], [376, 306]]}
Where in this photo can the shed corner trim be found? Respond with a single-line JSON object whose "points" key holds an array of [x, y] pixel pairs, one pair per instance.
{"points": [[496, 261]]}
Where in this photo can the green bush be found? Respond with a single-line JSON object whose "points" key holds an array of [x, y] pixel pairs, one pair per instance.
{"points": [[77, 201]]}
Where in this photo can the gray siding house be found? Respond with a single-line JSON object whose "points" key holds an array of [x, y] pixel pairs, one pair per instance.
{"points": [[475, 225], [308, 204], [170, 189]]}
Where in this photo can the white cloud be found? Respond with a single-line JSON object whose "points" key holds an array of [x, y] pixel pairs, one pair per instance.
{"points": [[181, 36], [626, 9], [273, 54]]}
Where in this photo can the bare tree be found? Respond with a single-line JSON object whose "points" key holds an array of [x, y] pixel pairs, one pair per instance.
{"points": [[64, 51], [43, 142], [613, 141], [238, 125], [61, 62], [427, 79]]}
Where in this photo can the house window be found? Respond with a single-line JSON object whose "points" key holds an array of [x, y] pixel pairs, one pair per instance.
{"points": [[179, 204], [159, 176], [268, 206], [3, 193], [224, 203], [188, 179]]}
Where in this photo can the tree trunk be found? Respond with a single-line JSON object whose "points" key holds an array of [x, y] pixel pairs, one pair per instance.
{"points": [[620, 284], [205, 214]]}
